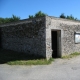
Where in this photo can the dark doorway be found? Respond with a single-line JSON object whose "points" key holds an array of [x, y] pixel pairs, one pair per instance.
{"points": [[54, 44], [0, 38]]}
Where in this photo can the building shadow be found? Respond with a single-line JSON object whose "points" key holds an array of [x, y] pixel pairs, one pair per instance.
{"points": [[9, 55]]}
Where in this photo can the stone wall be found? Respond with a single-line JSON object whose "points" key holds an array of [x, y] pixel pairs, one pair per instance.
{"points": [[68, 28], [26, 36], [33, 36]]}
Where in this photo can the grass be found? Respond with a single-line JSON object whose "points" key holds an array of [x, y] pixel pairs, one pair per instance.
{"points": [[31, 62], [15, 58], [71, 55]]}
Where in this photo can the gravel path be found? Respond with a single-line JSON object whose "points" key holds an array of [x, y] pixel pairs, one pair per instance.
{"points": [[60, 69]]}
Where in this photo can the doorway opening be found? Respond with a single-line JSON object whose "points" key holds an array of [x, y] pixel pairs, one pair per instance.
{"points": [[0, 39], [56, 43]]}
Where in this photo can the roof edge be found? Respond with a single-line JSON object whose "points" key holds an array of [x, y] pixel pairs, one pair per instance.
{"points": [[57, 18]]}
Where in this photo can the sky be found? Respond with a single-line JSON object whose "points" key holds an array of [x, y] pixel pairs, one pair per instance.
{"points": [[24, 8]]}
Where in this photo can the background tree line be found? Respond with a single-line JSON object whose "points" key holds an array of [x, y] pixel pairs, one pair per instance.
{"points": [[68, 17], [38, 14], [7, 20]]}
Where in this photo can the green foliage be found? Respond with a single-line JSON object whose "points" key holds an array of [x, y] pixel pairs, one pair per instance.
{"points": [[31, 62], [31, 16], [38, 14], [62, 15], [7, 20], [67, 17], [71, 55], [14, 18], [70, 17]]}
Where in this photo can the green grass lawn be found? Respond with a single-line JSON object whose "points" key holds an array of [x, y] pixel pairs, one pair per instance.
{"points": [[31, 62], [15, 58], [71, 55]]}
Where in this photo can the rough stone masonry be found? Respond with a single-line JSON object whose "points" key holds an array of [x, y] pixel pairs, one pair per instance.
{"points": [[33, 36]]}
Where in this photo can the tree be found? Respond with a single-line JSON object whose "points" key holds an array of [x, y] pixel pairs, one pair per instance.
{"points": [[2, 20], [12, 19], [38, 14], [62, 15], [71, 17], [31, 16]]}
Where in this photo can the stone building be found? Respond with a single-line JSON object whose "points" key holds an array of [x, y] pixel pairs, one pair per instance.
{"points": [[45, 36]]}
